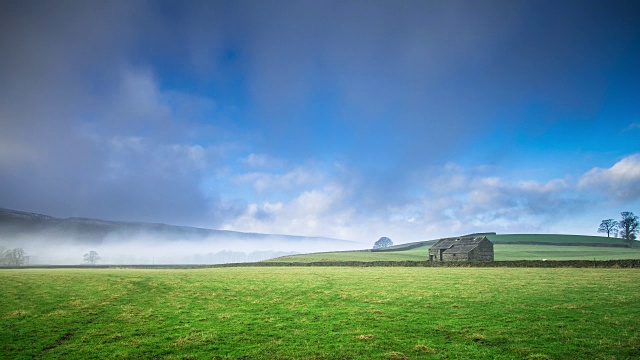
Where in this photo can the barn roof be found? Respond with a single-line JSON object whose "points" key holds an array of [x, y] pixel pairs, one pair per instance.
{"points": [[460, 249], [458, 246], [447, 243]]}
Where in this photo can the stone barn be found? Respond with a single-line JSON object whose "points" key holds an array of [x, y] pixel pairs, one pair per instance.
{"points": [[462, 249]]}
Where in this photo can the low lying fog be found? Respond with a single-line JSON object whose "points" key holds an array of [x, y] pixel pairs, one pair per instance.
{"points": [[145, 250]]}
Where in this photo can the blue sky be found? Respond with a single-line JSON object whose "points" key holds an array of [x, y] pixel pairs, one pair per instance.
{"points": [[348, 119]]}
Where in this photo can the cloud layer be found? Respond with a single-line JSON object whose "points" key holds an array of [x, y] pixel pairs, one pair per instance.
{"points": [[438, 201], [346, 119]]}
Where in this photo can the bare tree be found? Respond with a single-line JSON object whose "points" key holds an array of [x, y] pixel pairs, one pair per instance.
{"points": [[628, 225], [13, 257], [608, 226], [91, 257]]}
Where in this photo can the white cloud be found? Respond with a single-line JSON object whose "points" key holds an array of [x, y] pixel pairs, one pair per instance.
{"points": [[262, 161], [469, 203], [460, 200], [298, 178], [551, 186], [128, 143], [131, 154], [620, 182], [316, 212], [457, 201], [187, 156]]}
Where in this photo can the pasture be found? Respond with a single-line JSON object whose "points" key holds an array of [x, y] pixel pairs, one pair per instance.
{"points": [[554, 239], [555, 252], [320, 313], [503, 252], [417, 254]]}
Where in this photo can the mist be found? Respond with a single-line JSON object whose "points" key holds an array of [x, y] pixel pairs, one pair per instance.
{"points": [[48, 240], [147, 249]]}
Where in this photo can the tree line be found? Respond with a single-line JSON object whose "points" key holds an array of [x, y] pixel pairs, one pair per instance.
{"points": [[627, 228], [18, 257]]}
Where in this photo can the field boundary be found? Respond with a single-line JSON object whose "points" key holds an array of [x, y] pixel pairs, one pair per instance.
{"points": [[626, 263]]}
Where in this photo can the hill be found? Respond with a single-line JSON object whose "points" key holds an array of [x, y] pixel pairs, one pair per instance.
{"points": [[24, 224], [506, 247], [50, 240]]}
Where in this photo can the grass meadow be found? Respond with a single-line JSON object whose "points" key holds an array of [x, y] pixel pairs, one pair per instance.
{"points": [[417, 254], [555, 238], [320, 313], [503, 252], [538, 252]]}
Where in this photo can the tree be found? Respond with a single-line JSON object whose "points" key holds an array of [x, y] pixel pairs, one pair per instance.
{"points": [[609, 226], [382, 243], [628, 225], [3, 254], [91, 257], [13, 257]]}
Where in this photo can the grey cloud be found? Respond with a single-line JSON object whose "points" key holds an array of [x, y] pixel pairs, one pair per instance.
{"points": [[73, 108], [128, 179], [422, 66], [397, 81], [367, 63]]}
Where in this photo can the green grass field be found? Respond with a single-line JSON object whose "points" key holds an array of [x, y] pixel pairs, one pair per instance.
{"points": [[320, 313], [539, 252], [502, 251], [553, 238], [417, 254]]}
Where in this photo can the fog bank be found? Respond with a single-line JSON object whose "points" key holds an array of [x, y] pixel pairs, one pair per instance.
{"points": [[146, 250]]}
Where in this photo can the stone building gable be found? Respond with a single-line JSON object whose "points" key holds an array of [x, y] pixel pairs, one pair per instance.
{"points": [[462, 249]]}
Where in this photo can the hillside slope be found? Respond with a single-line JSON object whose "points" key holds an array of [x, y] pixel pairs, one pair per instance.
{"points": [[54, 241], [556, 239], [26, 225], [506, 247]]}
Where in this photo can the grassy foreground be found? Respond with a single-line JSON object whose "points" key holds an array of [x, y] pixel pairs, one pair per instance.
{"points": [[321, 313]]}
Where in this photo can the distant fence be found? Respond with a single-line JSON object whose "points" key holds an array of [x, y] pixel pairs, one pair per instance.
{"points": [[628, 263]]}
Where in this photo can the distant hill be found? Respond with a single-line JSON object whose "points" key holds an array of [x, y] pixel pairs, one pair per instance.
{"points": [[532, 239], [25, 225], [507, 247]]}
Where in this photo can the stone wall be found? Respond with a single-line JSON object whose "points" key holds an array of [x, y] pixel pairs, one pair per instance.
{"points": [[455, 257], [484, 252]]}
